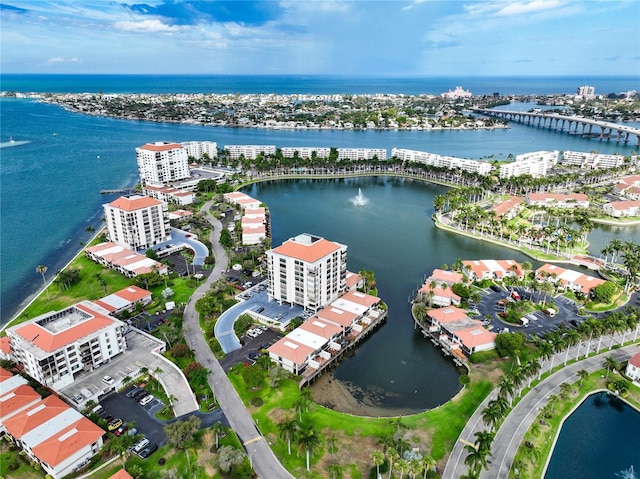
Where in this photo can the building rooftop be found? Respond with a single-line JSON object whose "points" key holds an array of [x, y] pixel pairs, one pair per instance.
{"points": [[308, 248], [134, 202]]}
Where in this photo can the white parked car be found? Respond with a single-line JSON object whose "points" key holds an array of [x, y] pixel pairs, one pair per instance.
{"points": [[108, 380]]}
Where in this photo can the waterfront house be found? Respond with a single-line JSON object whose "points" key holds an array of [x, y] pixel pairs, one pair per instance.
{"points": [[567, 278], [492, 269], [536, 164], [439, 296], [441, 276], [458, 332], [622, 209]]}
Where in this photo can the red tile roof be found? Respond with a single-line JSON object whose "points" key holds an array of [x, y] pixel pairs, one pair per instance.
{"points": [[49, 341], [17, 399], [635, 360], [309, 253], [121, 474], [68, 441], [161, 146], [133, 203], [31, 418], [5, 345]]}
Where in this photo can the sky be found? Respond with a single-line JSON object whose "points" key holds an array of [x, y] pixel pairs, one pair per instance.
{"points": [[402, 38]]}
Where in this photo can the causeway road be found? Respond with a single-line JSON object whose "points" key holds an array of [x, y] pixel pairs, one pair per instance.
{"points": [[261, 458]]}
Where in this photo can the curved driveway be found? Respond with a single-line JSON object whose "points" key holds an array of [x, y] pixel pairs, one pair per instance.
{"points": [[516, 424], [264, 462], [200, 251]]}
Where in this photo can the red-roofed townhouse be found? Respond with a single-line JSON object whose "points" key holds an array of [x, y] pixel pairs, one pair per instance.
{"points": [[354, 281], [508, 208], [123, 260], [125, 300], [55, 435], [622, 209], [567, 278], [633, 368], [492, 269], [457, 331], [629, 187], [291, 355], [137, 222], [307, 270], [55, 347], [558, 200], [438, 295]]}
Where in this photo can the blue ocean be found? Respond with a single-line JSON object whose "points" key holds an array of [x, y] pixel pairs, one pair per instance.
{"points": [[50, 186]]}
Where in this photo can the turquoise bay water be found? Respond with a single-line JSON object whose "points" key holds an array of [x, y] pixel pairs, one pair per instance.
{"points": [[598, 441]]}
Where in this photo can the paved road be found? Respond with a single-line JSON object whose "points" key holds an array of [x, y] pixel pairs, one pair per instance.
{"points": [[261, 457], [517, 423]]}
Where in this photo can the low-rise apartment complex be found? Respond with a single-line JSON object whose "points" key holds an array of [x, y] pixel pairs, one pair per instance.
{"points": [[49, 432]]}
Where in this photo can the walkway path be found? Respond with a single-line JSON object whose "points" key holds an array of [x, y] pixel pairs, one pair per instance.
{"points": [[517, 423], [264, 462]]}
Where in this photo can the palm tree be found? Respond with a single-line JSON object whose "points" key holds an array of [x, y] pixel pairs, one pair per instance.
{"points": [[392, 456], [583, 375], [610, 363], [484, 439], [377, 457], [308, 440], [287, 430], [402, 466], [217, 429], [428, 463], [43, 270], [476, 459]]}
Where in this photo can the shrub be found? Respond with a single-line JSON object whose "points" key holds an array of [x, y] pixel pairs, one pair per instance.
{"points": [[257, 401], [483, 356]]}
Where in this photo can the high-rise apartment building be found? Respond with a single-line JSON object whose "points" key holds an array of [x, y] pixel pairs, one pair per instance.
{"points": [[160, 163]]}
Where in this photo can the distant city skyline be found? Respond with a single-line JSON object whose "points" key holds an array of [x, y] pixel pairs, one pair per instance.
{"points": [[334, 37]]}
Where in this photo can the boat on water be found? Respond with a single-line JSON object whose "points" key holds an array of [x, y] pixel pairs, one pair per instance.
{"points": [[12, 142]]}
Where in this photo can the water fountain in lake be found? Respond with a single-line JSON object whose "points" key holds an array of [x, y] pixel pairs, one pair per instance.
{"points": [[627, 474], [359, 199]]}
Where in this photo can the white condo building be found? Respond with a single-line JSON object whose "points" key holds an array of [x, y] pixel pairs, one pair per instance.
{"points": [[57, 346], [307, 270], [137, 222], [439, 161], [250, 152], [583, 159], [197, 149], [536, 164], [355, 154], [162, 162]]}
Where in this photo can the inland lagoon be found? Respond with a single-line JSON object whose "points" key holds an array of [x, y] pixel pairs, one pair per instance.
{"points": [[599, 440]]}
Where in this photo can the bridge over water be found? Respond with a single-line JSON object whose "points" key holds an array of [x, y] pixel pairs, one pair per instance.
{"points": [[573, 125]]}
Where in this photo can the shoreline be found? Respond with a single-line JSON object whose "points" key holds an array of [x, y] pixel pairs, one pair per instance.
{"points": [[29, 300]]}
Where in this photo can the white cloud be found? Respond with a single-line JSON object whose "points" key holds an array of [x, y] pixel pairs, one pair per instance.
{"points": [[55, 60], [529, 7], [147, 26]]}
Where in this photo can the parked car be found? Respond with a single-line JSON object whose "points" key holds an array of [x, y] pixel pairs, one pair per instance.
{"points": [[108, 380], [114, 424], [148, 451], [121, 430], [140, 394], [146, 400], [495, 288], [254, 355], [140, 445]]}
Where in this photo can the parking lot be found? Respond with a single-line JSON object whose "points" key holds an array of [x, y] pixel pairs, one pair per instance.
{"points": [[488, 311], [124, 406]]}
